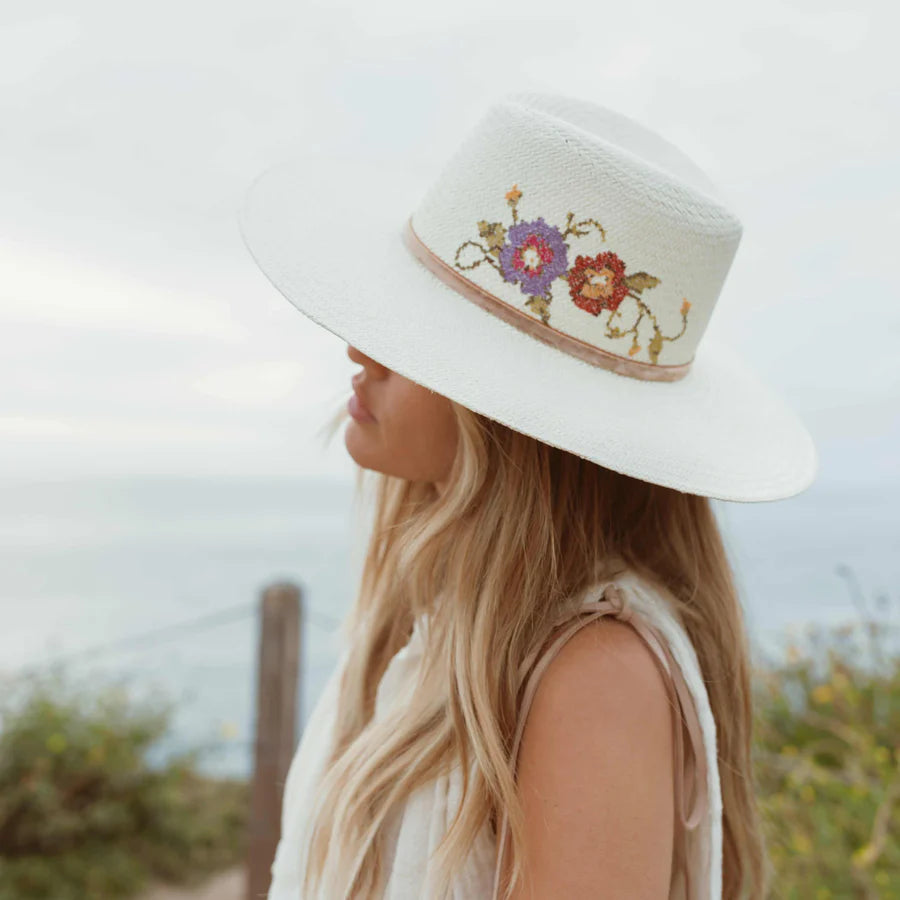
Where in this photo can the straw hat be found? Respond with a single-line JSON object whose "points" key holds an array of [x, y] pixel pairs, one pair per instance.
{"points": [[557, 275]]}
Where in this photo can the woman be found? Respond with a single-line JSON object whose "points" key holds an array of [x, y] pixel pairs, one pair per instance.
{"points": [[544, 691]]}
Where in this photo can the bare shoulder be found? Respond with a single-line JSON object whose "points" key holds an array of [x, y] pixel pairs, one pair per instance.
{"points": [[605, 652], [595, 770]]}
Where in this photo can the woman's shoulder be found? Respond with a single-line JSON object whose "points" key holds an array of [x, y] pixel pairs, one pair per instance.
{"points": [[604, 673], [600, 667], [597, 752], [605, 633]]}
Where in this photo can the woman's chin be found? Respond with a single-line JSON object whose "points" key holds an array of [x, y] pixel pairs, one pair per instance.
{"points": [[361, 445]]}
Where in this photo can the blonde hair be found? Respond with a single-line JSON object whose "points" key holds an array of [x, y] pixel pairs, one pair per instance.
{"points": [[519, 530]]}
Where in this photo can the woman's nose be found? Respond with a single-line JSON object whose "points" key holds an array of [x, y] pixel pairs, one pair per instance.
{"points": [[377, 370]]}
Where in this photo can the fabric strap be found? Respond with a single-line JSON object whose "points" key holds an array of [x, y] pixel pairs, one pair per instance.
{"points": [[691, 797], [532, 326]]}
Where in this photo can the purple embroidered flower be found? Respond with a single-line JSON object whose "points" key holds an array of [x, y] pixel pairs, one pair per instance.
{"points": [[535, 254]]}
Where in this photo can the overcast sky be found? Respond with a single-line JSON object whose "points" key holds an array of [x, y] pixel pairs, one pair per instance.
{"points": [[137, 335]]}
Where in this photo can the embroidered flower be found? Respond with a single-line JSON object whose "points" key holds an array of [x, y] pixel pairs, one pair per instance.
{"points": [[535, 254], [598, 282], [513, 194]]}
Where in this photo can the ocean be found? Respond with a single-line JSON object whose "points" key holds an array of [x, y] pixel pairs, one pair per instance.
{"points": [[110, 577]]}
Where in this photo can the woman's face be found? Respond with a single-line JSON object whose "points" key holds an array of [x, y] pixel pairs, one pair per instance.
{"points": [[397, 426]]}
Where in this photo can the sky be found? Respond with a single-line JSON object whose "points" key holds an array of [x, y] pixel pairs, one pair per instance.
{"points": [[138, 337]]}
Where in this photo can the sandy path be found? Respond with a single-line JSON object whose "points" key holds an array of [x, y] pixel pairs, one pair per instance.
{"points": [[228, 885]]}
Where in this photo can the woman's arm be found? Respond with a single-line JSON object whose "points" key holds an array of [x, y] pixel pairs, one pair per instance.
{"points": [[595, 773]]}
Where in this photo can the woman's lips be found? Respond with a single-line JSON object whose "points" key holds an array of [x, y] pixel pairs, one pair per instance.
{"points": [[358, 410]]}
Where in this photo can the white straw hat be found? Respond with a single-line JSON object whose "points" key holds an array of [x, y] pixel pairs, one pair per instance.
{"points": [[558, 276]]}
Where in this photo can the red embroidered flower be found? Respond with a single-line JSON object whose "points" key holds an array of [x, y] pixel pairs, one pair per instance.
{"points": [[597, 283]]}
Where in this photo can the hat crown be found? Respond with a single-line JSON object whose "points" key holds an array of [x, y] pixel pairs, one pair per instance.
{"points": [[598, 229]]}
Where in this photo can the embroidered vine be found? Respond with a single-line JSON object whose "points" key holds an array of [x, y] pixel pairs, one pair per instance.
{"points": [[533, 254]]}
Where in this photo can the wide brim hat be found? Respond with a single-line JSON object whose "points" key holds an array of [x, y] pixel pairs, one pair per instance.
{"points": [[556, 275]]}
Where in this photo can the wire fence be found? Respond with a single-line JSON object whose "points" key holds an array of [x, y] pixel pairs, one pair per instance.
{"points": [[175, 631], [217, 720]]}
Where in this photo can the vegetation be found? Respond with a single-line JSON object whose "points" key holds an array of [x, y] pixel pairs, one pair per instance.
{"points": [[828, 765], [83, 813]]}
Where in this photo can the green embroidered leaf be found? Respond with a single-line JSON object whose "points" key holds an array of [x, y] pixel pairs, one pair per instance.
{"points": [[494, 234], [655, 346], [640, 281], [540, 306]]}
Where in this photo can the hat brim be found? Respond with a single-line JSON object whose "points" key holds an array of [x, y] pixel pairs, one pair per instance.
{"points": [[331, 244]]}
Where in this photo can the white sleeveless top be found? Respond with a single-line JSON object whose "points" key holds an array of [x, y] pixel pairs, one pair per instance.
{"points": [[418, 827]]}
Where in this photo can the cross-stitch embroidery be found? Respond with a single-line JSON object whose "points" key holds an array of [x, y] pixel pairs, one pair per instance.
{"points": [[533, 254]]}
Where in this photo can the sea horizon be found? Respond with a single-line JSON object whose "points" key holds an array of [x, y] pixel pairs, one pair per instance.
{"points": [[93, 563]]}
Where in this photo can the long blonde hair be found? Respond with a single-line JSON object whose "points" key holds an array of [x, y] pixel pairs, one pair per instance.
{"points": [[493, 559]]}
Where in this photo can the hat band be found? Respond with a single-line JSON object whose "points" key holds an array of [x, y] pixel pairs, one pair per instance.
{"points": [[532, 326]]}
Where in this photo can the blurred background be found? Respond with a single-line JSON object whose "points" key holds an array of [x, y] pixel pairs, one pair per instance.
{"points": [[161, 405]]}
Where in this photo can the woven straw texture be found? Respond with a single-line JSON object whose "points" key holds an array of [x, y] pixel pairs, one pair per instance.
{"points": [[331, 243]]}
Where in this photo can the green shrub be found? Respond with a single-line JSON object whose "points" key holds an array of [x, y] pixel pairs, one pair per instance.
{"points": [[827, 764], [83, 813]]}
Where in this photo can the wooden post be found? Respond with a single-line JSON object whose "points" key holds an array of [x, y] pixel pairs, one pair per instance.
{"points": [[278, 667]]}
